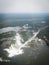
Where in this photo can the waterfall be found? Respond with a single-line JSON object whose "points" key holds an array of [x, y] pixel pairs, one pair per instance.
{"points": [[14, 48]]}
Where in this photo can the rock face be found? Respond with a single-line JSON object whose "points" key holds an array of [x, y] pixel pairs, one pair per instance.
{"points": [[44, 34]]}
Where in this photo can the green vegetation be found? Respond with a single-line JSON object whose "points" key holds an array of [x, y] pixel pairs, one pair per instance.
{"points": [[44, 34], [25, 35], [7, 41], [1, 42], [13, 41], [7, 34]]}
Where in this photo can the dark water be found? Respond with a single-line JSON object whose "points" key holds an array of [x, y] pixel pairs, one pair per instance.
{"points": [[36, 54], [32, 56], [42, 58]]}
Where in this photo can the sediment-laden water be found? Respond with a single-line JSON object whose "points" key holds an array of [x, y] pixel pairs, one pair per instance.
{"points": [[17, 49]]}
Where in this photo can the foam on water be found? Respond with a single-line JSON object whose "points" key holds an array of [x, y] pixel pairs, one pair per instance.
{"points": [[15, 49], [8, 29]]}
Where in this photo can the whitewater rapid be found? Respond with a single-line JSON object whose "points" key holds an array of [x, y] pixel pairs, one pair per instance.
{"points": [[8, 29], [16, 49]]}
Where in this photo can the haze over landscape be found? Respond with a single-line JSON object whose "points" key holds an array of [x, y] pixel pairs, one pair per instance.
{"points": [[24, 6], [24, 32]]}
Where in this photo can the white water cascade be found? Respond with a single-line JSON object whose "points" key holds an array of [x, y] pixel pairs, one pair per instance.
{"points": [[16, 49]]}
